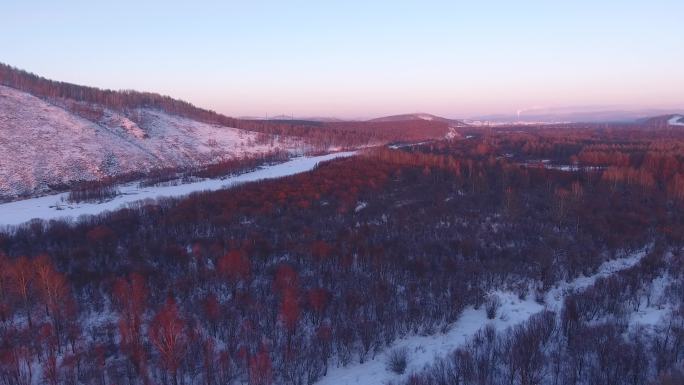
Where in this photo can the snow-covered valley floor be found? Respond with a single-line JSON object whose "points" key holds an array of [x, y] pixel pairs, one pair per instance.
{"points": [[54, 206], [424, 350]]}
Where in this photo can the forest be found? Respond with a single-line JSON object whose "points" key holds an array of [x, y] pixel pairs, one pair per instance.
{"points": [[282, 281]]}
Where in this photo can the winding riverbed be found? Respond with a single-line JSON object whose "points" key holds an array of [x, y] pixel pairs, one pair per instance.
{"points": [[55, 207]]}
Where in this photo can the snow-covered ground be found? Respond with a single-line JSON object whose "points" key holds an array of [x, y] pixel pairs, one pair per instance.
{"points": [[546, 163], [652, 311], [404, 145], [676, 120], [423, 350], [554, 298], [54, 206], [452, 133], [657, 304], [42, 144]]}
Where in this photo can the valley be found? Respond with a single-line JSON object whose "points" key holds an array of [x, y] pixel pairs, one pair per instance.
{"points": [[144, 240]]}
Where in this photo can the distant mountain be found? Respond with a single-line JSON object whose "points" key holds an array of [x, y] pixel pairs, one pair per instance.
{"points": [[572, 114], [325, 119], [420, 116]]}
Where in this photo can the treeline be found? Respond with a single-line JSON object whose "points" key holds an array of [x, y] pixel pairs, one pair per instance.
{"points": [[115, 100], [275, 281]]}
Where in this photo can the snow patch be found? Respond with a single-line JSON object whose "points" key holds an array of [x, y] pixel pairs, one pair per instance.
{"points": [[360, 206], [452, 133], [554, 298], [656, 308], [404, 145], [676, 120]]}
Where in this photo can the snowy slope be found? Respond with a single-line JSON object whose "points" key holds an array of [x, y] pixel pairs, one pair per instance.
{"points": [[54, 207], [42, 144]]}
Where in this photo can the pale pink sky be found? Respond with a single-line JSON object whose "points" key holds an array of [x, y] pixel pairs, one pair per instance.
{"points": [[358, 59]]}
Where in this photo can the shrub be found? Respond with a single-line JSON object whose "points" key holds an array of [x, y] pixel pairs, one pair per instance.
{"points": [[398, 360], [492, 305]]}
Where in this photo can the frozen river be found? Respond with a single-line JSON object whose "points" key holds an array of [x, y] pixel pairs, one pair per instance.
{"points": [[55, 206]]}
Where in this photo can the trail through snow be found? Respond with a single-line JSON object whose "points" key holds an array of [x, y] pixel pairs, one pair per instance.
{"points": [[54, 207], [423, 350]]}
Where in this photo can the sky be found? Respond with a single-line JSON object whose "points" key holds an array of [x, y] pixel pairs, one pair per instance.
{"points": [[359, 59]]}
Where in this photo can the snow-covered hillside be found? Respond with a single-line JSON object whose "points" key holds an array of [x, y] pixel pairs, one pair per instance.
{"points": [[44, 145]]}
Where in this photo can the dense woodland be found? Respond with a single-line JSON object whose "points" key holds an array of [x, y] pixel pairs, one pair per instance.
{"points": [[276, 281], [90, 103]]}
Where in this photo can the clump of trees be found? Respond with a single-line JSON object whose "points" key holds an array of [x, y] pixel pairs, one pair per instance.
{"points": [[93, 191], [398, 359]]}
